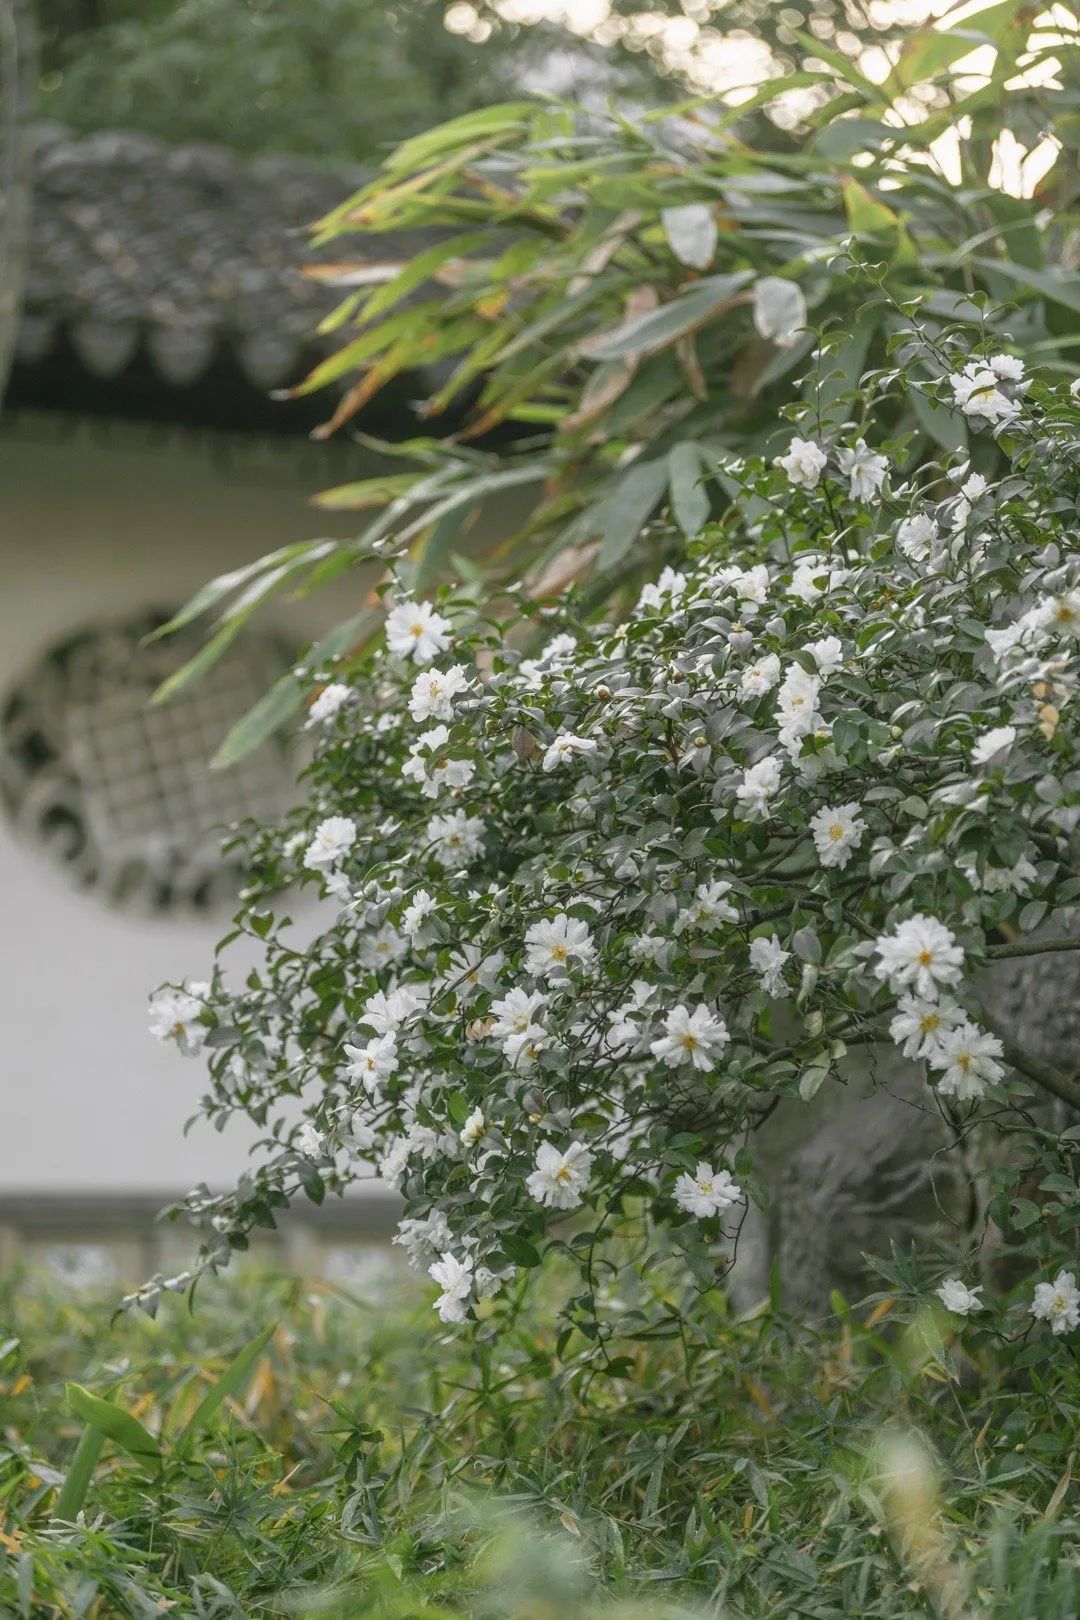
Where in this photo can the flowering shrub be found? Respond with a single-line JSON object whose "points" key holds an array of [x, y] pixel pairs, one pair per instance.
{"points": [[592, 913]]}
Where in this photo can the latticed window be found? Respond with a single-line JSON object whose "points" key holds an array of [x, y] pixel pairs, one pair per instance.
{"points": [[122, 792]]}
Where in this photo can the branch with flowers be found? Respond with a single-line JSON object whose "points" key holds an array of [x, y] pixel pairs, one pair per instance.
{"points": [[592, 913]]}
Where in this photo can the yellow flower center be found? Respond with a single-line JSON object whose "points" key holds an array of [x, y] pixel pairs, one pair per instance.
{"points": [[558, 953], [925, 958], [836, 832], [689, 1041]]}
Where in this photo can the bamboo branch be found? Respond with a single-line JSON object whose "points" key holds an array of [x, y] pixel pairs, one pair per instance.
{"points": [[1032, 947]]}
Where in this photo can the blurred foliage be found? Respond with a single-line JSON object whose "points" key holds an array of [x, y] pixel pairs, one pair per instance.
{"points": [[592, 282], [363, 1464], [335, 80]]}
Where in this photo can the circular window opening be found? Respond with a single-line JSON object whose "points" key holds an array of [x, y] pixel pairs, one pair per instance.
{"points": [[122, 793]]}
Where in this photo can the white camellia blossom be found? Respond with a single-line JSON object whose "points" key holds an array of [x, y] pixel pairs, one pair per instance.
{"points": [[838, 832], [759, 678], [554, 945], [373, 1063], [456, 839], [992, 744], [779, 310], [697, 1037], [708, 909], [968, 1059], [560, 1179], [917, 537], [176, 1015], [828, 654], [958, 1298], [332, 698], [455, 1278], [760, 783], [434, 691], [864, 470], [308, 1141], [564, 748], [921, 952], [416, 912], [1058, 1303], [432, 769], [414, 630], [804, 463], [386, 1011], [919, 1024], [473, 1129], [515, 1025], [707, 1192], [976, 391], [333, 840], [768, 958]]}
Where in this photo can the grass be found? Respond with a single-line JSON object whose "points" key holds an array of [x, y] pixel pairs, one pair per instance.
{"points": [[359, 1461]]}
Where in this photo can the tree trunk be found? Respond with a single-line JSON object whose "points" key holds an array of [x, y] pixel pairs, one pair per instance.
{"points": [[18, 87]]}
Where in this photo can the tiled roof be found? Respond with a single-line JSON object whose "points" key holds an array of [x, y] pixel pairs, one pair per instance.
{"points": [[175, 259]]}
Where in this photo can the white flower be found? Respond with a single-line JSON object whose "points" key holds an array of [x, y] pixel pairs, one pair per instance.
{"points": [[515, 1025], [414, 630], [992, 743], [563, 749], [828, 654], [385, 1012], [923, 953], [420, 907], [708, 909], [975, 487], [558, 650], [434, 691], [814, 577], [759, 784], [837, 833], [471, 970], [473, 1129], [976, 392], [670, 585], [707, 1192], [308, 1141], [560, 1178], [958, 1298], [370, 1065], [175, 1016], [384, 946], [864, 470], [327, 704], [759, 678], [696, 1037], [457, 838], [767, 958], [333, 840], [968, 1059], [1058, 1303], [804, 463], [431, 769], [779, 310], [455, 1278], [1007, 367], [796, 703], [919, 1024], [423, 1238], [552, 946], [917, 537]]}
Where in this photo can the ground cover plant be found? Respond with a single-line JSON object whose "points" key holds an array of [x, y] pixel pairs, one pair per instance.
{"points": [[361, 1468]]}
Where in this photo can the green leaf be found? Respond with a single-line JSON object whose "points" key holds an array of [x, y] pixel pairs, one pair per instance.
{"points": [[519, 1250], [935, 48], [80, 1473], [689, 498], [209, 595], [229, 1384], [1060, 286], [692, 233], [260, 722], [619, 518], [946, 427], [112, 1422], [659, 328]]}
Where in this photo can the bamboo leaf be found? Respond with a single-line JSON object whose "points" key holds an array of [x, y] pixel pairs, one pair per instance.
{"points": [[112, 1422], [659, 328], [80, 1472], [229, 1384]]}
